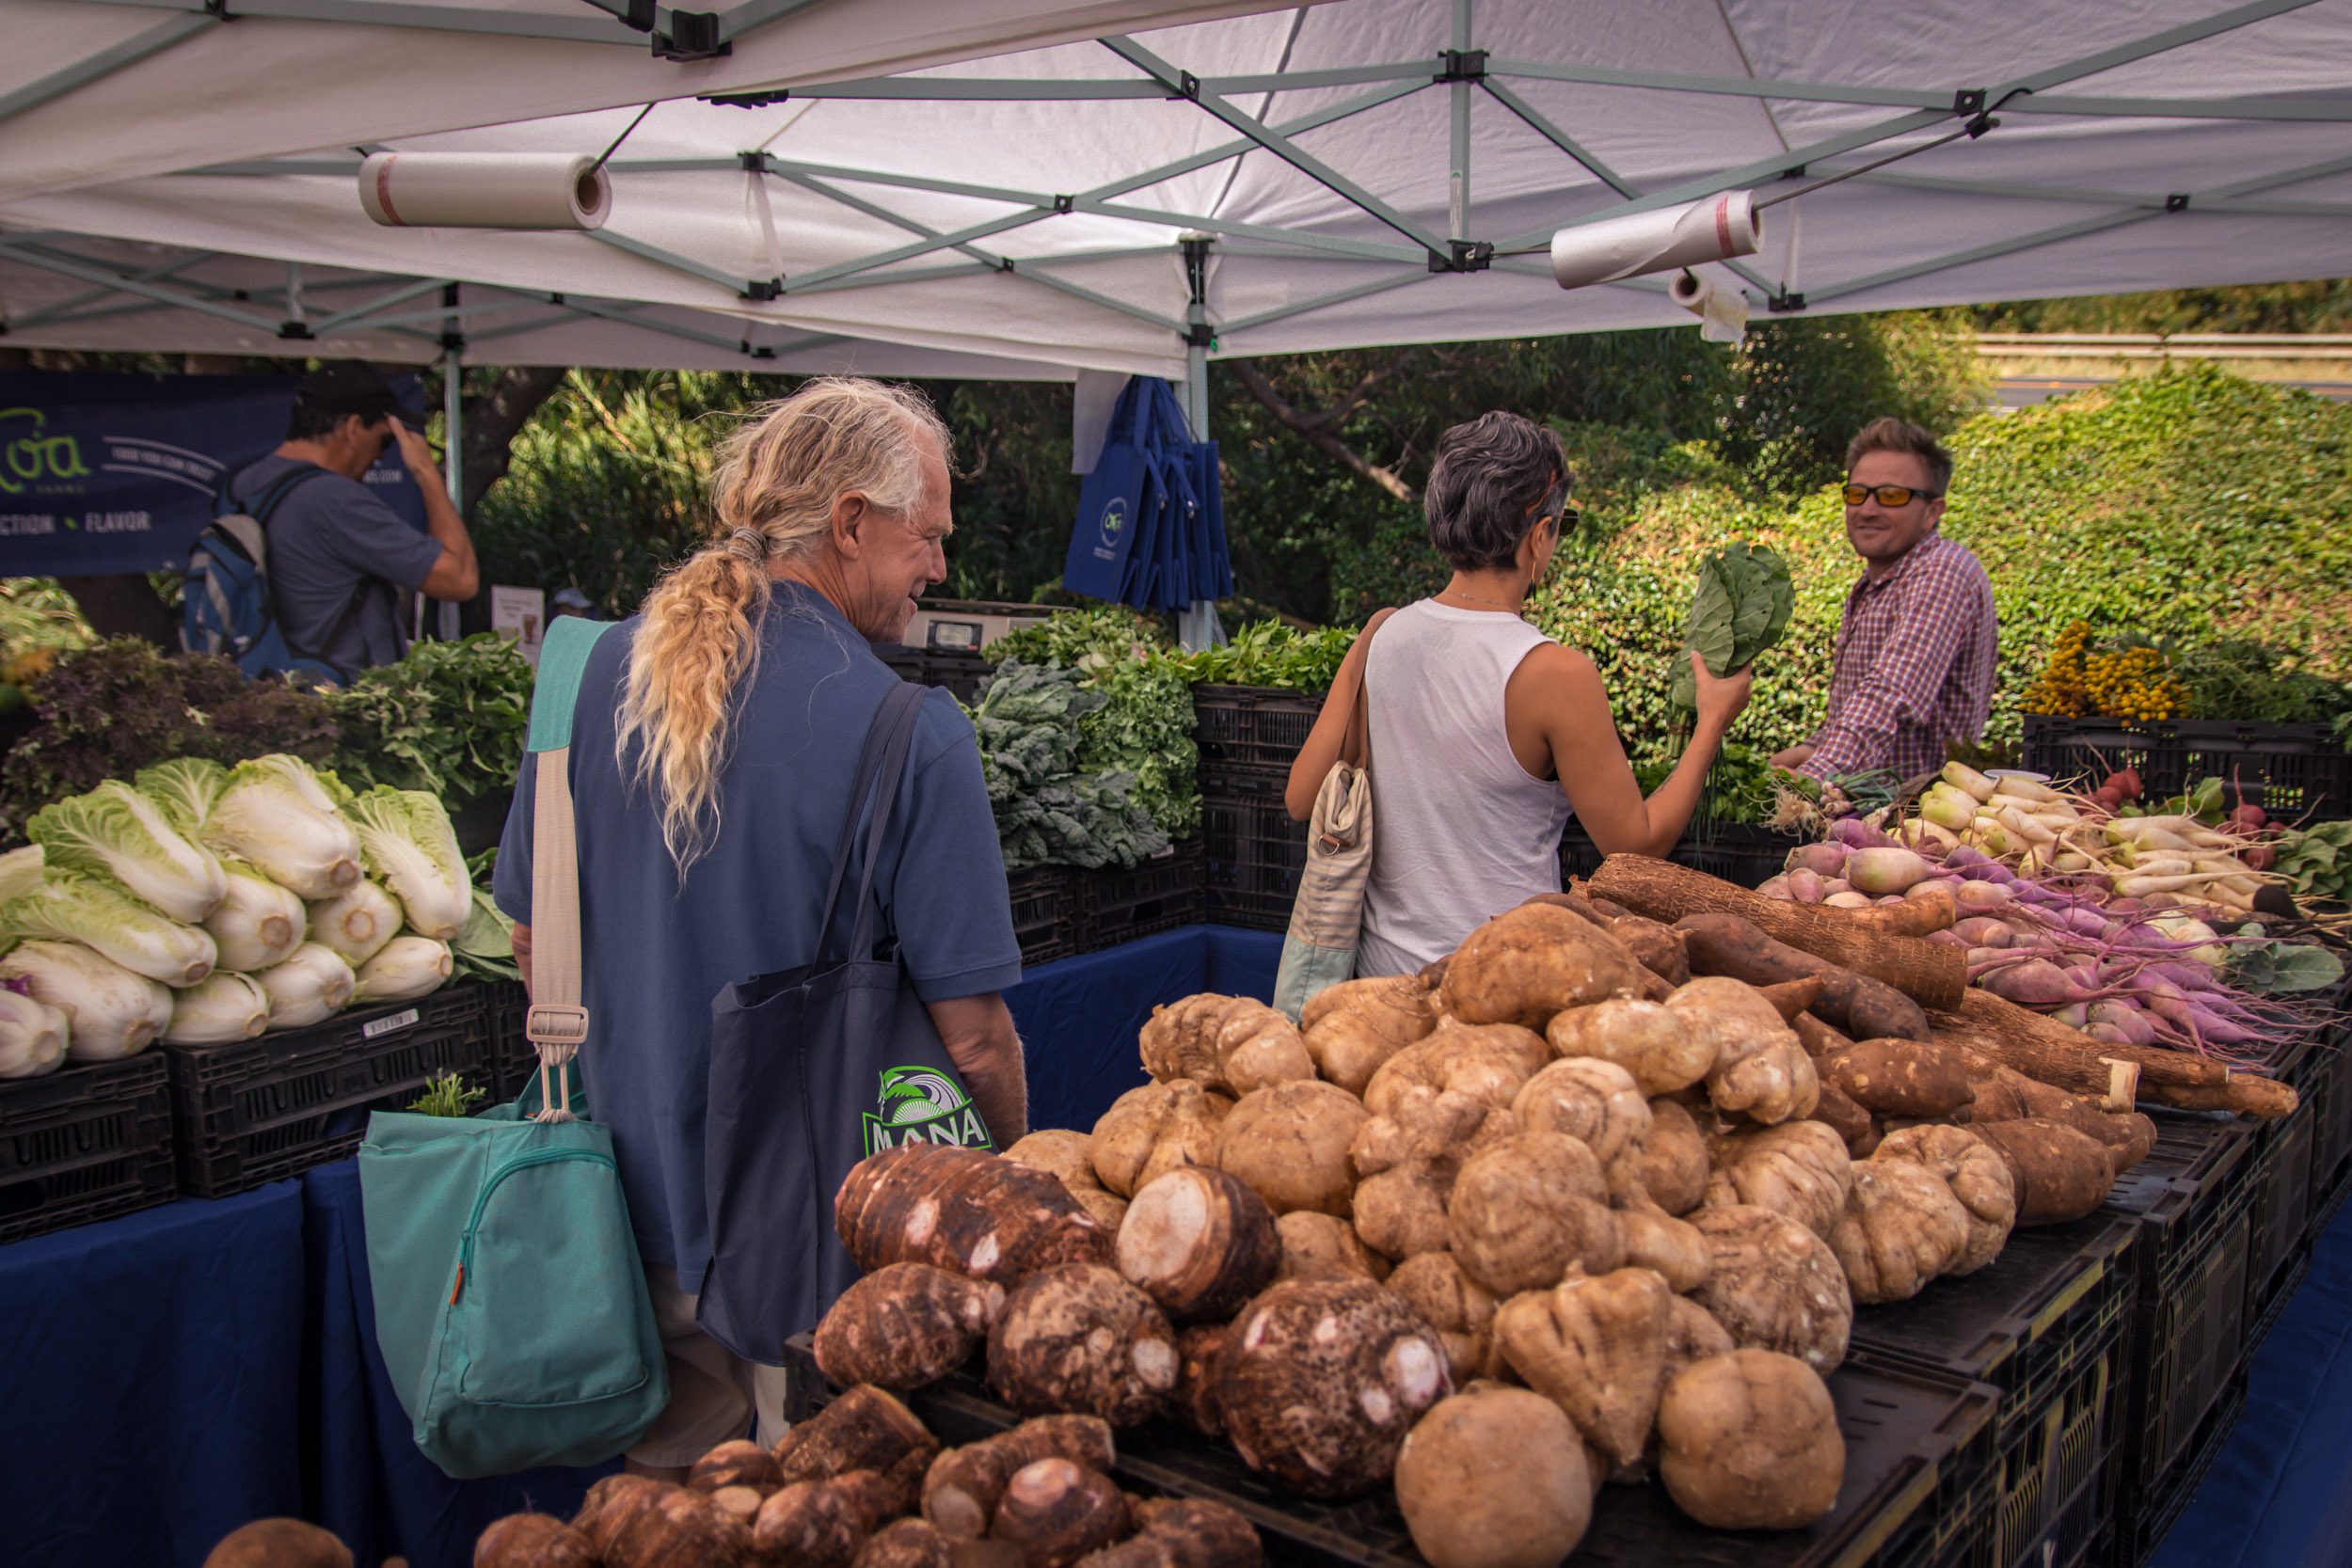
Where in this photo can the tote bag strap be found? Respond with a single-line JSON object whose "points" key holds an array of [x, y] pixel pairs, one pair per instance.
{"points": [[880, 767], [557, 1023], [1356, 740]]}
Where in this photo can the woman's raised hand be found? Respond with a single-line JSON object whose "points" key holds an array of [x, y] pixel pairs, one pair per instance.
{"points": [[1720, 698]]}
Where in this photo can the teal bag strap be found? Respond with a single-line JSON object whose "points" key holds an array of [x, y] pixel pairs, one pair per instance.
{"points": [[557, 1023]]}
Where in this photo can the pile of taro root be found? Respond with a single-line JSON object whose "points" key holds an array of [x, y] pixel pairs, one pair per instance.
{"points": [[1554, 1214]]}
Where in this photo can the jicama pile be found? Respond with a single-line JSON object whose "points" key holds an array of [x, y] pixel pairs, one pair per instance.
{"points": [[2138, 930], [201, 905], [1592, 1200]]}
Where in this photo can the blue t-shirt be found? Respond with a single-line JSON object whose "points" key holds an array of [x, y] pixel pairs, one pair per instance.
{"points": [[332, 541], [653, 955]]}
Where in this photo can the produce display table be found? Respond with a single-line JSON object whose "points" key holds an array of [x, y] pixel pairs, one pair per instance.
{"points": [[175, 1372]]}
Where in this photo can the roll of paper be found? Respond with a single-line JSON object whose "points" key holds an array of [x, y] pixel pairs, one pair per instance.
{"points": [[485, 190], [1715, 229], [1723, 313]]}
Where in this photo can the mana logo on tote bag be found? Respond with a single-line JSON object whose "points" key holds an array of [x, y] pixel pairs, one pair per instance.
{"points": [[921, 1105]]}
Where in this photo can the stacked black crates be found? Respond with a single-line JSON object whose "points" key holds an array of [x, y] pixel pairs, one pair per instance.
{"points": [[1252, 852], [2290, 770], [84, 1143]]}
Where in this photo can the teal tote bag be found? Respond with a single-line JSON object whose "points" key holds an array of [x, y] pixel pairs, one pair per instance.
{"points": [[511, 1305]]}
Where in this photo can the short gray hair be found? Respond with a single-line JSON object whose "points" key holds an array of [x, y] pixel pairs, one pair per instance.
{"points": [[1495, 477]]}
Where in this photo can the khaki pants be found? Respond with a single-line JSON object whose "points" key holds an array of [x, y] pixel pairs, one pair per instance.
{"points": [[715, 1395]]}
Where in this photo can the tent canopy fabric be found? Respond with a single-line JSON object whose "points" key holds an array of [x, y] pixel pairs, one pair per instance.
{"points": [[1356, 173]]}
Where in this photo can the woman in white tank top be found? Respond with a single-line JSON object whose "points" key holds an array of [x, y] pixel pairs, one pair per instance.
{"points": [[1485, 733]]}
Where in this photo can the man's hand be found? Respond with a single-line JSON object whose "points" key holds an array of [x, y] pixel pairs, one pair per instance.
{"points": [[416, 452], [981, 1039], [1793, 758]]}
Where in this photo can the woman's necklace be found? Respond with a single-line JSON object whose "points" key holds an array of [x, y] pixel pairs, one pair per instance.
{"points": [[1513, 608]]}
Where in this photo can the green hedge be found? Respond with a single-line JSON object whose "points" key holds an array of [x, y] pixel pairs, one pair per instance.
{"points": [[2184, 505]]}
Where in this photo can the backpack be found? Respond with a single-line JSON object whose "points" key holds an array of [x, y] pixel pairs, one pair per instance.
{"points": [[227, 608]]}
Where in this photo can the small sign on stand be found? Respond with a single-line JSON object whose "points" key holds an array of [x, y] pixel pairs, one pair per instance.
{"points": [[521, 613]]}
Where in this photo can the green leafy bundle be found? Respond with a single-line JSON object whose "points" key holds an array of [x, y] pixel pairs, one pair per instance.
{"points": [[1048, 811], [1082, 638], [1745, 596], [1270, 653], [1145, 729], [2317, 862], [2240, 678], [448, 718]]}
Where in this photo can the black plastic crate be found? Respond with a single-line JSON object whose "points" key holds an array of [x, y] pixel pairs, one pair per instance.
{"points": [[2194, 1200], [1913, 1435], [1252, 853], [89, 1141], [962, 673], [2141, 1523], [1044, 912], [513, 1059], [1740, 853], [1252, 727], [2330, 1069], [2282, 1189], [2290, 770], [2046, 1323], [1119, 904], [266, 1109]]}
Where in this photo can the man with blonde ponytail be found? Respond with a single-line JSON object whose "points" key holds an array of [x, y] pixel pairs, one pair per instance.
{"points": [[715, 738]]}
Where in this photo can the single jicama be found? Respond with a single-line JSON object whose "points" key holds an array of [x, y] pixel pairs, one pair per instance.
{"points": [[115, 833], [225, 1009], [276, 814], [356, 922], [413, 850], [32, 1035], [101, 916], [312, 985], [110, 1012], [185, 788], [258, 924], [409, 967]]}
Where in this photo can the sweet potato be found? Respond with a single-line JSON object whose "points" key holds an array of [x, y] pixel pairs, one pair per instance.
{"points": [[1866, 1008], [1898, 1077], [2060, 1174], [1850, 1121]]}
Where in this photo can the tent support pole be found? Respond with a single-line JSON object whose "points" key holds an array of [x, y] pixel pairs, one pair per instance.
{"points": [[1458, 183], [1196, 624], [453, 430]]}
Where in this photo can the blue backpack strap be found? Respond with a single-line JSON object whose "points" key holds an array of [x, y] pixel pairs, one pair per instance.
{"points": [[563, 660]]}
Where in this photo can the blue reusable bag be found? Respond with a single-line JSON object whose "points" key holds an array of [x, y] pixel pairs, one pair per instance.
{"points": [[511, 1305], [1112, 502]]}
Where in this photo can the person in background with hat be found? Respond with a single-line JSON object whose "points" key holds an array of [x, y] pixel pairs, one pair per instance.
{"points": [[340, 559]]}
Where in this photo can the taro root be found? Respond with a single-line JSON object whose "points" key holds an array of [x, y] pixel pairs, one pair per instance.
{"points": [[906, 1544], [740, 1463], [1531, 962], [671, 1528], [1750, 1441], [865, 1429], [822, 1524], [280, 1544], [1322, 1379], [1800, 1169], [1200, 1242], [1977, 1176], [1080, 1339], [1318, 1243], [1774, 1285], [1182, 1532], [1232, 1043], [963, 1210], [1289, 1144], [1643, 1037], [1198, 1351], [1056, 1512], [530, 1541], [1674, 1164], [1067, 1156], [1449, 1301], [1151, 1130], [1597, 1348], [965, 1484], [904, 1326], [1494, 1477], [1354, 1027], [1527, 1208]]}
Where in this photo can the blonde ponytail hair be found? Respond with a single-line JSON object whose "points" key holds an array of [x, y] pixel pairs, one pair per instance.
{"points": [[778, 477]]}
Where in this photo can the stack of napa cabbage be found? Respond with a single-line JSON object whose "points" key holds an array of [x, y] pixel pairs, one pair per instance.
{"points": [[204, 905]]}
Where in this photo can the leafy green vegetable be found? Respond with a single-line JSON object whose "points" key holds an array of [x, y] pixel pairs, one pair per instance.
{"points": [[484, 950], [411, 848], [448, 718], [276, 813], [1744, 599], [1066, 638], [1271, 652], [445, 1095], [185, 788], [111, 922], [2243, 679], [1145, 729], [119, 836], [1048, 811], [2317, 862], [2278, 968]]}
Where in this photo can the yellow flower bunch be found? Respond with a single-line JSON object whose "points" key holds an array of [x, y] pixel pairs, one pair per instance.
{"points": [[2135, 684], [2059, 688]]}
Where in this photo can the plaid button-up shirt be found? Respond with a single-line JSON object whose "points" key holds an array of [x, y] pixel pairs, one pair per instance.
{"points": [[1916, 653]]}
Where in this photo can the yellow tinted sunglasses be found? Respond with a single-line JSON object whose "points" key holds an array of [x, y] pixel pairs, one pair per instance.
{"points": [[1888, 494]]}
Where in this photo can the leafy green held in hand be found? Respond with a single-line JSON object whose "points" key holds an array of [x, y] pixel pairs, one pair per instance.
{"points": [[1745, 596]]}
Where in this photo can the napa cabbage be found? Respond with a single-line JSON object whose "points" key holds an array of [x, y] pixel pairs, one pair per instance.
{"points": [[309, 987], [117, 835], [356, 922], [185, 788], [276, 814], [97, 914], [32, 1035], [258, 924], [407, 968], [110, 1012], [412, 849], [226, 1007]]}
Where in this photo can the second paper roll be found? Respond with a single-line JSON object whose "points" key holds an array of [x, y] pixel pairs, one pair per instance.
{"points": [[1715, 229], [485, 190]]}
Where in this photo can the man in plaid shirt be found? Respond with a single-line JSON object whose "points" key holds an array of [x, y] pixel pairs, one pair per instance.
{"points": [[1919, 644]]}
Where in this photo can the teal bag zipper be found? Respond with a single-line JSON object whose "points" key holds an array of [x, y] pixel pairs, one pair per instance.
{"points": [[482, 1200]]}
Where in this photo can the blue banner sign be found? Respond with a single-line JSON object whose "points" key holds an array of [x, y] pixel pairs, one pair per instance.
{"points": [[116, 473]]}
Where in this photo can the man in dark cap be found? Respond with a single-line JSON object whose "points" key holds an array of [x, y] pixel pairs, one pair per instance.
{"points": [[340, 559]]}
